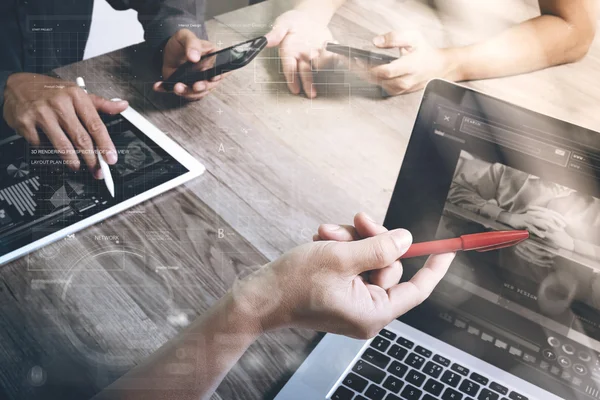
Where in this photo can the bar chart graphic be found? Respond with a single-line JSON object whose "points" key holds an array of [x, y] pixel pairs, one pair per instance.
{"points": [[21, 195]]}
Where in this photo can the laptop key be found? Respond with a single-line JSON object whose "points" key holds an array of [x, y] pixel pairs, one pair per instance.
{"points": [[411, 393], [429, 397], [342, 393], [415, 377], [423, 351], [380, 343], [397, 369], [482, 380], [392, 397], [499, 388], [359, 397], [432, 369], [450, 378], [469, 387], [441, 360], [434, 387], [375, 392], [405, 343], [397, 352], [487, 394], [451, 394], [387, 334], [460, 369], [415, 361], [368, 371], [355, 382], [516, 396], [393, 384], [376, 358]]}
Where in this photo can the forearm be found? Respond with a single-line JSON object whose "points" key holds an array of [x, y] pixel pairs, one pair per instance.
{"points": [[535, 44], [586, 249], [192, 365], [469, 199], [321, 10]]}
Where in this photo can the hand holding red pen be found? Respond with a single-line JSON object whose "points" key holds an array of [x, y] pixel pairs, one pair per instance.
{"points": [[365, 227]]}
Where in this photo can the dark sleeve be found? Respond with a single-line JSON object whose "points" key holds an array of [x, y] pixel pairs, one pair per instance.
{"points": [[3, 78], [162, 18]]}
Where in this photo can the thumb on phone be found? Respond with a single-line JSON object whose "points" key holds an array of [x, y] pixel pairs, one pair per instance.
{"points": [[397, 39]]}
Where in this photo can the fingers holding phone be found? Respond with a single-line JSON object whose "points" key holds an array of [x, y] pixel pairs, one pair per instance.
{"points": [[419, 62], [184, 47], [195, 77]]}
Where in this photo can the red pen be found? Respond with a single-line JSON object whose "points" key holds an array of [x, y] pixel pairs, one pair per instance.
{"points": [[479, 242]]}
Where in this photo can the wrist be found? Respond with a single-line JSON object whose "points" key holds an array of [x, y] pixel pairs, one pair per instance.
{"points": [[319, 13], [571, 244], [455, 60], [241, 318], [259, 299], [504, 218]]}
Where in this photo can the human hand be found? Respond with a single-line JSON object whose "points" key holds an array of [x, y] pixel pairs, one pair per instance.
{"points": [[364, 227], [532, 253], [40, 107], [320, 286], [184, 46], [561, 239], [538, 220], [300, 43], [420, 62]]}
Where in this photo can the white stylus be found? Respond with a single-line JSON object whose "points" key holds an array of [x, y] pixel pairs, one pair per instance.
{"points": [[108, 179]]}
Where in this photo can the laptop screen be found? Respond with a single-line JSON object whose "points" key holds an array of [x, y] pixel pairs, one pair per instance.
{"points": [[477, 164]]}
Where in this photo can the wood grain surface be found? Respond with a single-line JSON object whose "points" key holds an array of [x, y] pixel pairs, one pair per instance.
{"points": [[79, 313]]}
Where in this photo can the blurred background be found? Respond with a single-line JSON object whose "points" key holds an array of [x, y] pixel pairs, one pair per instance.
{"points": [[125, 29]]}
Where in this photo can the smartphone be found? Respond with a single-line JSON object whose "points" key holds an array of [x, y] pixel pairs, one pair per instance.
{"points": [[214, 64], [351, 53]]}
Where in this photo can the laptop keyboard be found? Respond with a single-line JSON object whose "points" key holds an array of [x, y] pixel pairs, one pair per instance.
{"points": [[395, 368]]}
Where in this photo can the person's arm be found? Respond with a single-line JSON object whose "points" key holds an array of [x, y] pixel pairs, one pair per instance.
{"points": [[300, 34], [175, 29], [563, 33], [316, 286], [162, 18], [42, 108], [210, 347], [3, 78], [473, 187], [320, 10], [586, 249]]}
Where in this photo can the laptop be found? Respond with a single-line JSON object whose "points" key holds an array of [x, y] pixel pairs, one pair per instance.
{"points": [[518, 323]]}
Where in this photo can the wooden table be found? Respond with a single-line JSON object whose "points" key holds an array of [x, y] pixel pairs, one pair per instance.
{"points": [[78, 314]]}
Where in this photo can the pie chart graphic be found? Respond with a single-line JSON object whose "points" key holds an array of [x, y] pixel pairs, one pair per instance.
{"points": [[18, 172]]}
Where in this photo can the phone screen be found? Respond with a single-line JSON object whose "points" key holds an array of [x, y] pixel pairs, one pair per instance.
{"points": [[217, 63], [233, 56]]}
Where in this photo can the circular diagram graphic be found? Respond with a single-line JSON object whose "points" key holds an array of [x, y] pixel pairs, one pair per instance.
{"points": [[20, 171], [122, 298]]}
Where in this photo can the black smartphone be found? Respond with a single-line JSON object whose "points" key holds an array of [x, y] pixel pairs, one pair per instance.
{"points": [[351, 52], [214, 64]]}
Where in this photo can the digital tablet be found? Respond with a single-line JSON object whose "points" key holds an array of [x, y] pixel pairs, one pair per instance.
{"points": [[42, 201]]}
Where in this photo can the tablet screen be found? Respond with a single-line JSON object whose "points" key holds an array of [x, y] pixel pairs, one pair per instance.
{"points": [[477, 164], [39, 195]]}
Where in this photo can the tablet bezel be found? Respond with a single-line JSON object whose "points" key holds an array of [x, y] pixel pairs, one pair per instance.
{"points": [[194, 167]]}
